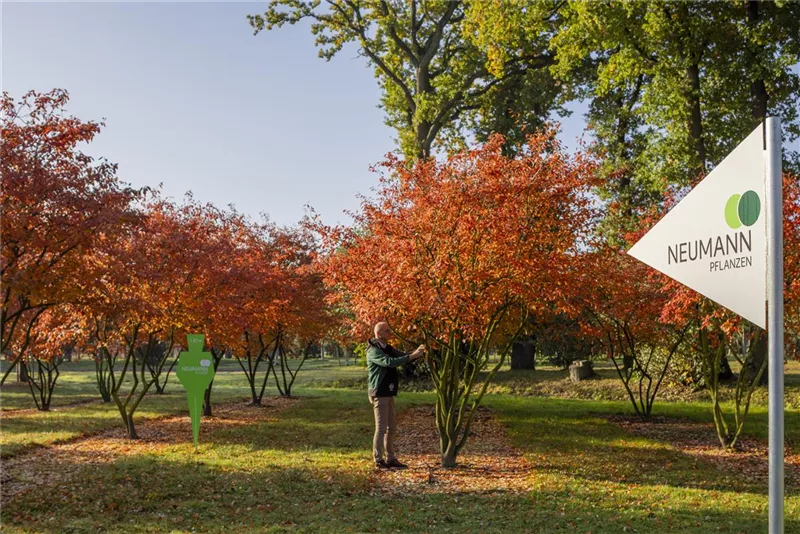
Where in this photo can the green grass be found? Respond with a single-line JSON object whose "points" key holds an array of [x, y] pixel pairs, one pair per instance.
{"points": [[23, 427], [308, 470]]}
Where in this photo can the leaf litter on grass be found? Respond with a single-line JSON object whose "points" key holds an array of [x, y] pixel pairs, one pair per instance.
{"points": [[750, 458], [488, 463], [52, 465]]}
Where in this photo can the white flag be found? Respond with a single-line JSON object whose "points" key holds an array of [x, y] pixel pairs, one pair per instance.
{"points": [[714, 240]]}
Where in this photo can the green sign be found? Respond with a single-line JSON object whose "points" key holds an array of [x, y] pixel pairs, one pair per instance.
{"points": [[195, 371]]}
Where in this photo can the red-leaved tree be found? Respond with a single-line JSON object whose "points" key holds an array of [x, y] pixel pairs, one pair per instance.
{"points": [[459, 254], [56, 202]]}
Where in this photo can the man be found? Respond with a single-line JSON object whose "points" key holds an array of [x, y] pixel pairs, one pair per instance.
{"points": [[382, 363]]}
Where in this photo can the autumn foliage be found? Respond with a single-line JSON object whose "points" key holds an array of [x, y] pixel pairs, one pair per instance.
{"points": [[623, 303], [650, 319], [57, 202], [460, 254], [122, 275]]}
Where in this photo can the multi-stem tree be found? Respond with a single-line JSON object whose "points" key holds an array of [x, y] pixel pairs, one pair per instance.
{"points": [[147, 292], [54, 334], [459, 254], [712, 332], [56, 203], [304, 317], [255, 299], [228, 288], [623, 302]]}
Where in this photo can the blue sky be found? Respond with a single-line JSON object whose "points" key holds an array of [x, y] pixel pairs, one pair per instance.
{"points": [[193, 100]]}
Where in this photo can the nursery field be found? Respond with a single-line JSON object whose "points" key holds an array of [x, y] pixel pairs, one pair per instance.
{"points": [[544, 455]]}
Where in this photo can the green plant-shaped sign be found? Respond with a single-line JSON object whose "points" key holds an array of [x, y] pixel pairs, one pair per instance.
{"points": [[195, 371]]}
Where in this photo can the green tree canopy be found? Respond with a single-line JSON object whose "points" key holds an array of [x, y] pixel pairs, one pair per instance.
{"points": [[675, 86], [440, 87]]}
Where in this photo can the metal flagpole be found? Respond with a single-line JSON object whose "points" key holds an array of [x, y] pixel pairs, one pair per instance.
{"points": [[775, 320]]}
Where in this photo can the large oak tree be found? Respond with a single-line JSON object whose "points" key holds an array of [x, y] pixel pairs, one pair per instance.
{"points": [[438, 86]]}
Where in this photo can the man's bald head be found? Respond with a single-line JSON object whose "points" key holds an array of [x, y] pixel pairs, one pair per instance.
{"points": [[382, 331]]}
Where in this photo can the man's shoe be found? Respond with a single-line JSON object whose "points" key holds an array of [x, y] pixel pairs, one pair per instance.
{"points": [[395, 463], [380, 464]]}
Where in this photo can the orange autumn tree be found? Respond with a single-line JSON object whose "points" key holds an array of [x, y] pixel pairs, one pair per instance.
{"points": [[459, 254], [260, 296], [147, 292], [196, 246], [714, 333], [304, 317], [226, 288], [54, 335], [791, 263], [55, 202], [623, 302]]}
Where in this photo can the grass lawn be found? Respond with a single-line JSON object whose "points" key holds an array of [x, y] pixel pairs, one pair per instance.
{"points": [[77, 410], [305, 466]]}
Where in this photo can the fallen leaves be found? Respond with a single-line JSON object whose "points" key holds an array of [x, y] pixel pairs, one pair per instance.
{"points": [[749, 460], [54, 465], [488, 463]]}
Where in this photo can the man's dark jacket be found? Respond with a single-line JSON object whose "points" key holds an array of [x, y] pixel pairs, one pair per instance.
{"points": [[382, 363]]}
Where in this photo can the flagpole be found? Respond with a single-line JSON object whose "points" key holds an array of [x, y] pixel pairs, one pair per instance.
{"points": [[775, 320]]}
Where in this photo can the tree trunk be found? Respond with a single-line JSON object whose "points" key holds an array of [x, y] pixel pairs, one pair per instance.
{"points": [[255, 401], [449, 456], [130, 427], [207, 400], [754, 364], [696, 117], [423, 126], [448, 435], [523, 355], [47, 396], [22, 372], [725, 371], [101, 375], [758, 90]]}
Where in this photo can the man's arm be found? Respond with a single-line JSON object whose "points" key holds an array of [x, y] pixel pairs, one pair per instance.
{"points": [[394, 353], [378, 357]]}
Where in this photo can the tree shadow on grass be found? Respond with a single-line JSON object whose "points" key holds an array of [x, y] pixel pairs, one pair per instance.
{"points": [[154, 494], [304, 469], [580, 444], [564, 437]]}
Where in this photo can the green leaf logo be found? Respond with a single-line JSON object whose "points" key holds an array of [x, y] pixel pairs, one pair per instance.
{"points": [[742, 209]]}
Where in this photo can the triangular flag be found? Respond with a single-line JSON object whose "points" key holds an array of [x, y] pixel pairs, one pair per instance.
{"points": [[714, 239]]}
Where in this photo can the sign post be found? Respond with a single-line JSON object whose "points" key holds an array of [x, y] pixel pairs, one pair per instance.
{"points": [[717, 241], [195, 373], [775, 316]]}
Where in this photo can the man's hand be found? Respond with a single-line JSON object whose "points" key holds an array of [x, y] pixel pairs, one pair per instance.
{"points": [[418, 353]]}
